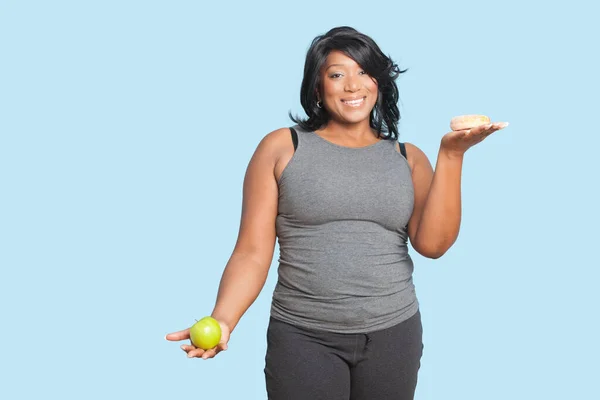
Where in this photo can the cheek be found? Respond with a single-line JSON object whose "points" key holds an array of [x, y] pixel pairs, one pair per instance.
{"points": [[373, 88], [330, 88], [371, 85]]}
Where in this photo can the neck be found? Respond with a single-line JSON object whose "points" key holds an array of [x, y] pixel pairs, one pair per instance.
{"points": [[360, 132]]}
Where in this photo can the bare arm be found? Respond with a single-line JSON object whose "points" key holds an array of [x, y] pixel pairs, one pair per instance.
{"points": [[247, 269], [435, 222]]}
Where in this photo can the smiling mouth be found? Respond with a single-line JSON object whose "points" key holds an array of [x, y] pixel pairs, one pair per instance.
{"points": [[354, 103]]}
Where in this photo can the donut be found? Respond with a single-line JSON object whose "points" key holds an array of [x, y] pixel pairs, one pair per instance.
{"points": [[468, 121]]}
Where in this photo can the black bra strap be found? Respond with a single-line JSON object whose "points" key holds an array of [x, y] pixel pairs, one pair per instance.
{"points": [[403, 150], [294, 138]]}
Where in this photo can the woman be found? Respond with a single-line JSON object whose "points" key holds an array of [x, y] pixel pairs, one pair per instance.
{"points": [[343, 197]]}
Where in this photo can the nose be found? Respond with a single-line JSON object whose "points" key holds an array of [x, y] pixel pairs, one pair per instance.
{"points": [[352, 84]]}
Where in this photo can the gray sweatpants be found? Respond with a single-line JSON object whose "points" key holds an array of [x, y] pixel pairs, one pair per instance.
{"points": [[305, 365]]}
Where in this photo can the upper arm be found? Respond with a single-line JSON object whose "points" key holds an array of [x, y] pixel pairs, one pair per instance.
{"points": [[422, 176], [257, 234]]}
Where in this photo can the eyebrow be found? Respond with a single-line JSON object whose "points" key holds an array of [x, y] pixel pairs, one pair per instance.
{"points": [[334, 65]]}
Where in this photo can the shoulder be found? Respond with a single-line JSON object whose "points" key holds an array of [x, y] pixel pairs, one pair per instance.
{"points": [[275, 142], [276, 148], [415, 156]]}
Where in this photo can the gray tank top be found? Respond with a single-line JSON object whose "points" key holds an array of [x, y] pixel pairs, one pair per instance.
{"points": [[342, 232]]}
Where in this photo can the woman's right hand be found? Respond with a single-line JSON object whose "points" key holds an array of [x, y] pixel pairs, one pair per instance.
{"points": [[193, 351]]}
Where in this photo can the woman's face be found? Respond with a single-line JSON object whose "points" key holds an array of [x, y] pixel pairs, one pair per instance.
{"points": [[347, 92]]}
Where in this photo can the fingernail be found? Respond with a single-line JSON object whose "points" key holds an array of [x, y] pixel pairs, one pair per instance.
{"points": [[181, 347]]}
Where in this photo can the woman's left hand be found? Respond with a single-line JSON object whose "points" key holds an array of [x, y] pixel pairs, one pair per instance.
{"points": [[458, 142]]}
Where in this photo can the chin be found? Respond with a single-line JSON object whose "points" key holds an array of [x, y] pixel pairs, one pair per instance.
{"points": [[354, 116], [355, 119]]}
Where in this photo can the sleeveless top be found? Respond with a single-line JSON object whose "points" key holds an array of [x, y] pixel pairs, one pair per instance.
{"points": [[342, 232]]}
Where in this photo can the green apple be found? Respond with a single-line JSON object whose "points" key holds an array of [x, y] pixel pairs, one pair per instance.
{"points": [[206, 333]]}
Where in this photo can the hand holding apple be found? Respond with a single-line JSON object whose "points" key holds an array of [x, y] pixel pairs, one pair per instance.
{"points": [[208, 337]]}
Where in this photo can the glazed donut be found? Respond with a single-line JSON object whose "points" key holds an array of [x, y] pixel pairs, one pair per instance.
{"points": [[468, 121]]}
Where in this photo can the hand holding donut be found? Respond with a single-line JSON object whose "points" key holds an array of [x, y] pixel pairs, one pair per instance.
{"points": [[467, 131]]}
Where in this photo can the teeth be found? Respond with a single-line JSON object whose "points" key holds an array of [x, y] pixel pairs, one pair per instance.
{"points": [[354, 102]]}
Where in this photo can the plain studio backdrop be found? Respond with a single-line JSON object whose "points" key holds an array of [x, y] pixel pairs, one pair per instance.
{"points": [[125, 131]]}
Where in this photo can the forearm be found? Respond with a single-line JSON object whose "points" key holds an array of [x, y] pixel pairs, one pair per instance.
{"points": [[241, 283], [440, 220]]}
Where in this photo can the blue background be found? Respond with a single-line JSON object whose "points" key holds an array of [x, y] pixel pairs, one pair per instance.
{"points": [[125, 131]]}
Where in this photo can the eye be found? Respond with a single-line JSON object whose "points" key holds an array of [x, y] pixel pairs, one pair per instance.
{"points": [[335, 75], [363, 72]]}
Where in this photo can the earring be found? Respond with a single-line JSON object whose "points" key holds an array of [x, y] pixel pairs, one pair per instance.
{"points": [[319, 104]]}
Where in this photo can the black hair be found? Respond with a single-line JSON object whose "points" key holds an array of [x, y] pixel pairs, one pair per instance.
{"points": [[362, 49]]}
